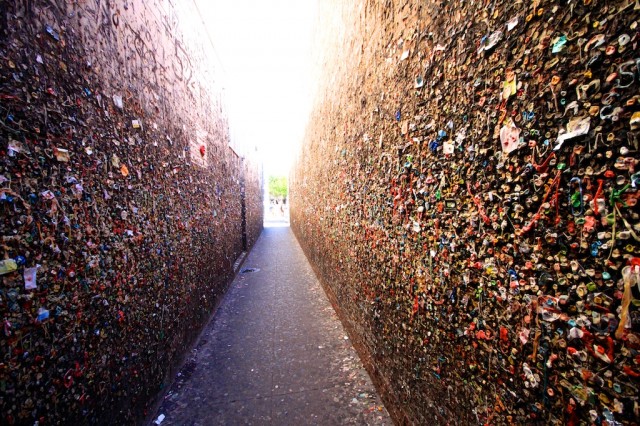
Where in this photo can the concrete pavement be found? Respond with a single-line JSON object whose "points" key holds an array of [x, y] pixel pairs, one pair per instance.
{"points": [[275, 352]]}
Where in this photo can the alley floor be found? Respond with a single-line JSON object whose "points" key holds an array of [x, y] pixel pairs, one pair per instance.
{"points": [[275, 352]]}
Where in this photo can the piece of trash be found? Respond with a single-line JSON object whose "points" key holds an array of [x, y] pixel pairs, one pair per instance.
{"points": [[491, 41], [53, 33], [117, 101], [577, 126], [61, 154], [30, 277], [245, 270], [43, 314], [16, 147], [7, 266], [346, 337], [159, 420]]}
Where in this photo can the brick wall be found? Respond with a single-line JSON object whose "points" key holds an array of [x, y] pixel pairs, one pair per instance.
{"points": [[445, 196], [120, 192]]}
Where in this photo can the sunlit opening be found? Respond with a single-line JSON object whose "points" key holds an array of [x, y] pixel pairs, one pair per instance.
{"points": [[264, 48]]}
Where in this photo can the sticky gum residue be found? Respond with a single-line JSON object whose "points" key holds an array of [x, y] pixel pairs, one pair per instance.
{"points": [[467, 192], [120, 206]]}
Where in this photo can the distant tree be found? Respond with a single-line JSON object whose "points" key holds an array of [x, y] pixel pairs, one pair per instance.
{"points": [[278, 187]]}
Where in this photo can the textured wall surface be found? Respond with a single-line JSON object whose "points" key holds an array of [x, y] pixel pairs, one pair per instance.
{"points": [[467, 192], [120, 204]]}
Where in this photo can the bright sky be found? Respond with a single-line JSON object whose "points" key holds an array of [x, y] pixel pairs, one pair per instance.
{"points": [[264, 47]]}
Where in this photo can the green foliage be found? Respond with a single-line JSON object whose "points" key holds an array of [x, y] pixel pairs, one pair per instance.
{"points": [[278, 187]]}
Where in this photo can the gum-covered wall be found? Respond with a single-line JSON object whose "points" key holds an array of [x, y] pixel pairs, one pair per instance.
{"points": [[467, 194], [120, 204]]}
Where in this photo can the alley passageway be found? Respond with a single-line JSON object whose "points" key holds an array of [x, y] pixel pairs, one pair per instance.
{"points": [[461, 177], [274, 353]]}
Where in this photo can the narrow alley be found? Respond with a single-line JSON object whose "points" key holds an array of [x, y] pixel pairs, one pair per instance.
{"points": [[274, 353], [319, 212]]}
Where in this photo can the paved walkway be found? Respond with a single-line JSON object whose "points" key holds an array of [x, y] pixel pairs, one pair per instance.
{"points": [[275, 353]]}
